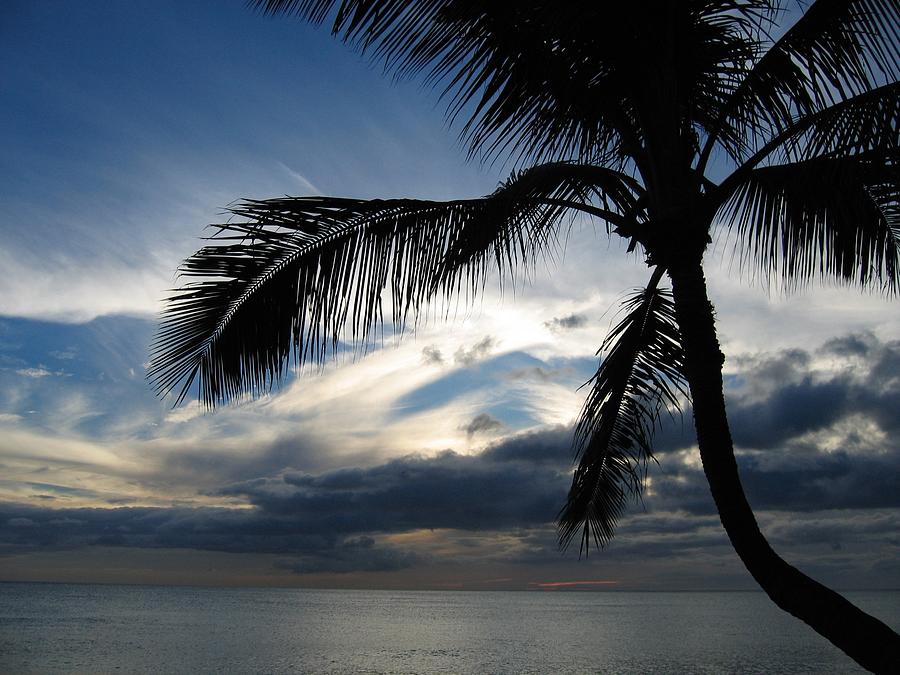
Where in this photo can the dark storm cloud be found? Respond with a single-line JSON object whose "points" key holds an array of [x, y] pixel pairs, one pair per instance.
{"points": [[321, 517], [859, 344], [779, 367], [327, 519], [798, 401], [563, 323], [675, 432], [639, 536], [359, 554], [798, 479], [26, 528], [840, 527], [551, 446], [792, 411], [208, 466], [823, 481], [774, 399], [774, 402], [503, 487]]}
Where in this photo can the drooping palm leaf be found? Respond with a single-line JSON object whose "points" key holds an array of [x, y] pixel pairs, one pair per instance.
{"points": [[639, 376], [833, 217], [297, 274], [836, 50]]}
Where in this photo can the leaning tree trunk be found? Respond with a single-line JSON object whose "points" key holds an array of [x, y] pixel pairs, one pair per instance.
{"points": [[864, 638]]}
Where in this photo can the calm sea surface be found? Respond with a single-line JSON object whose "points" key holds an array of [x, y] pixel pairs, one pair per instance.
{"points": [[47, 628]]}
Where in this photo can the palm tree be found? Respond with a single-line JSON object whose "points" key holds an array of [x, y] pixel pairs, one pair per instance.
{"points": [[627, 113]]}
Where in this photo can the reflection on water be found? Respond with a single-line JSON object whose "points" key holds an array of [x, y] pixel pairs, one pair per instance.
{"points": [[87, 628]]}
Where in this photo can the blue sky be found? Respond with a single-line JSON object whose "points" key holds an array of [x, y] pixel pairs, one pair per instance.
{"points": [[437, 461]]}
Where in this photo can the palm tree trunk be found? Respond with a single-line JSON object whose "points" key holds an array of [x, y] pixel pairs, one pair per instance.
{"points": [[864, 638]]}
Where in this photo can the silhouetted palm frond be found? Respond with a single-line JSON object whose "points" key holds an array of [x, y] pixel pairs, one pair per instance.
{"points": [[831, 216], [838, 49], [547, 80], [643, 88], [639, 376], [865, 123], [288, 279], [508, 74]]}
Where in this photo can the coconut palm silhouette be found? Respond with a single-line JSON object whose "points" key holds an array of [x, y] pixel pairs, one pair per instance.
{"points": [[627, 113]]}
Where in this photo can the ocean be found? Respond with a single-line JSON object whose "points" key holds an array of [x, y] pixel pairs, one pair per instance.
{"points": [[54, 628]]}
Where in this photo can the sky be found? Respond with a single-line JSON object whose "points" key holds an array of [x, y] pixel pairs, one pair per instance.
{"points": [[440, 458]]}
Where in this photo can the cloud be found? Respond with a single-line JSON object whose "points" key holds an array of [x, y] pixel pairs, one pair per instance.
{"points": [[541, 374], [799, 441], [550, 447], [20, 522], [431, 355], [302, 181], [859, 344], [564, 323], [792, 393], [186, 412], [63, 287], [98, 388], [468, 357], [331, 521], [791, 411], [36, 372], [204, 467], [777, 399], [510, 485], [794, 414], [822, 481], [446, 491], [795, 480], [812, 433], [228, 530], [507, 497], [354, 554], [481, 424]]}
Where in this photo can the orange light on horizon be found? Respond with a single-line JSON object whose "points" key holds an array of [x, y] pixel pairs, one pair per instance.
{"points": [[565, 584]]}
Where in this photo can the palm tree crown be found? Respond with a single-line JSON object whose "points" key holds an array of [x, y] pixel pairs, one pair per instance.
{"points": [[661, 120]]}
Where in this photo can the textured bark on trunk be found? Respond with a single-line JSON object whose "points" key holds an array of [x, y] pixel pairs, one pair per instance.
{"points": [[864, 638]]}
